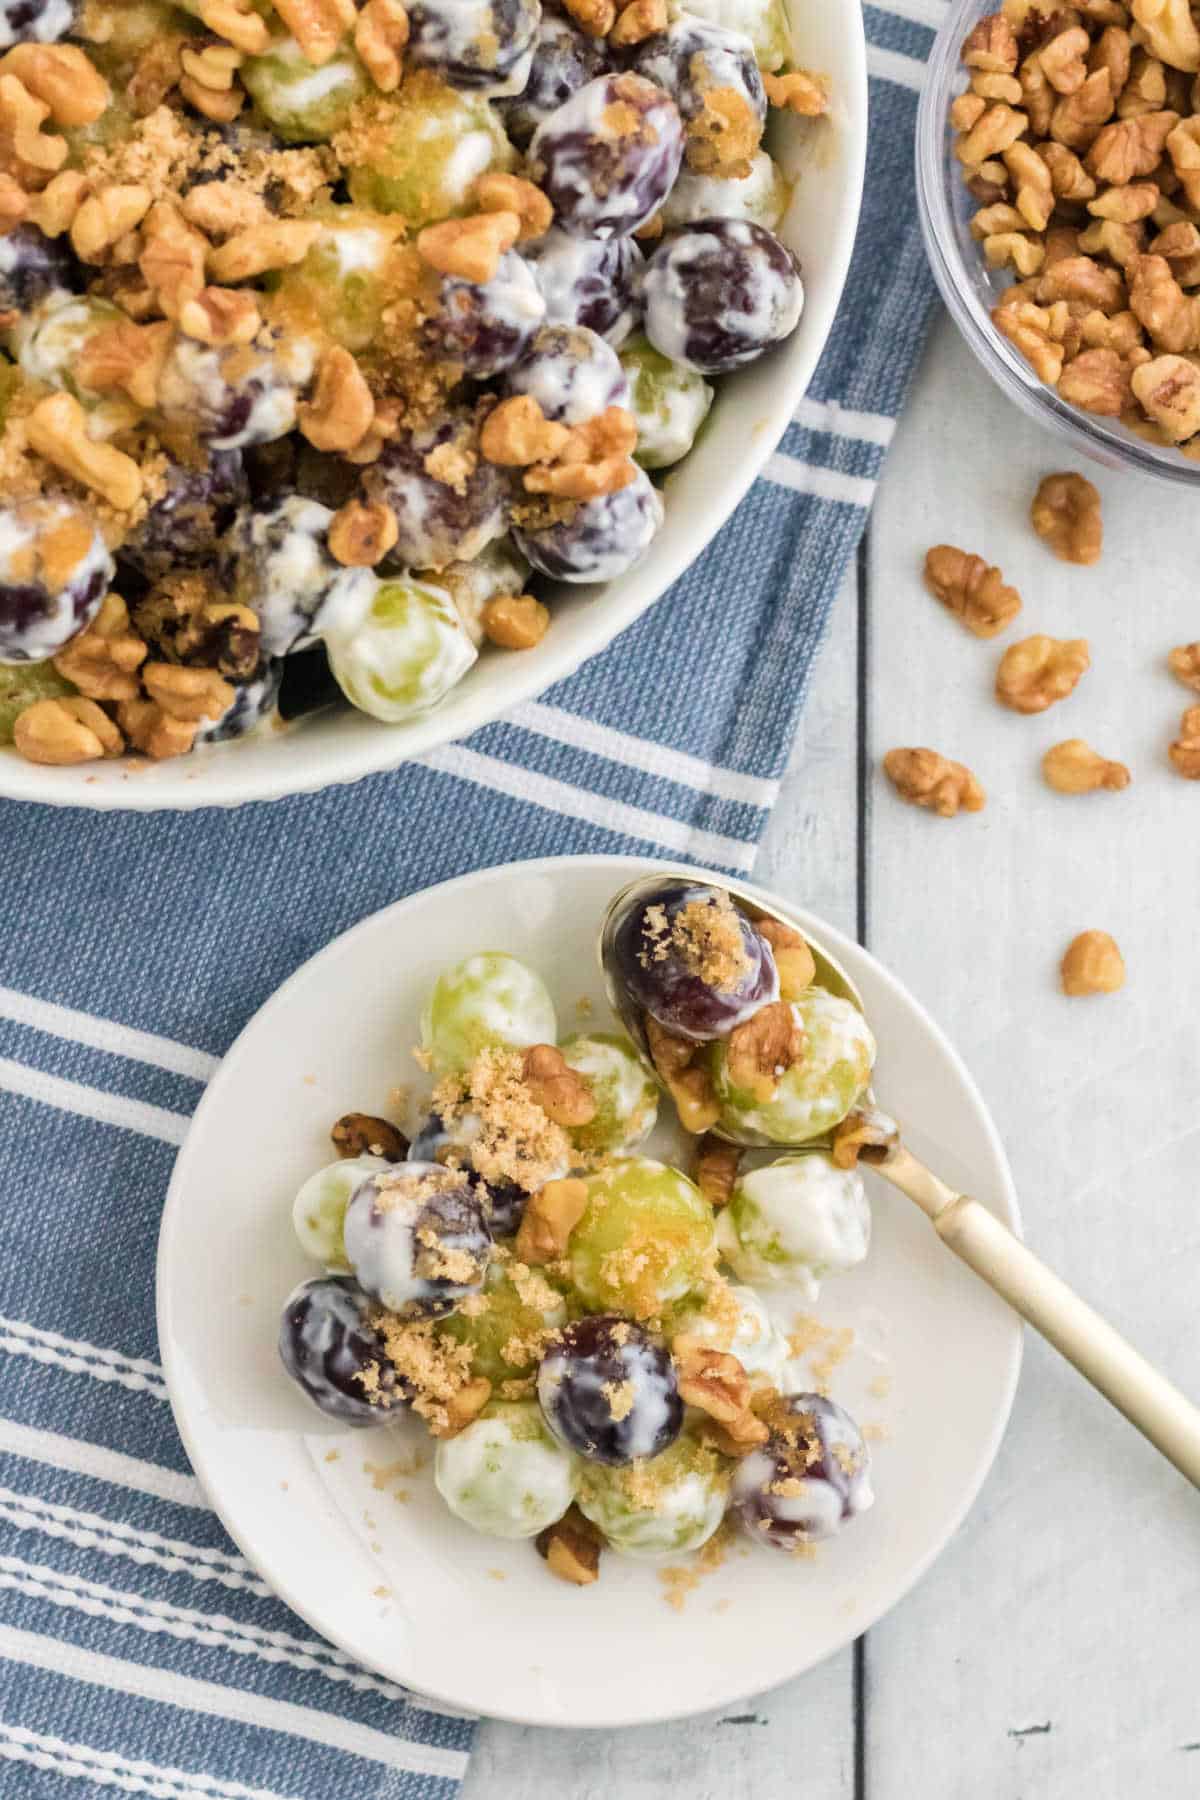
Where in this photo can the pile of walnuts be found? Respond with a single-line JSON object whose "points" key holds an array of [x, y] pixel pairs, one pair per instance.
{"points": [[1079, 136]]}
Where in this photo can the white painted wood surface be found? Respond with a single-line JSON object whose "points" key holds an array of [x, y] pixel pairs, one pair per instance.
{"points": [[1053, 1652]]}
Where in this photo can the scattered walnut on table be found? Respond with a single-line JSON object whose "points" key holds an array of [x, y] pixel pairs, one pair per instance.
{"points": [[1092, 964], [1039, 671], [1185, 751], [1184, 664], [1073, 767], [1066, 516], [970, 589], [926, 778]]}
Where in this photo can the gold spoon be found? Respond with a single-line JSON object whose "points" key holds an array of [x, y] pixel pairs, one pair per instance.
{"points": [[1148, 1400]]}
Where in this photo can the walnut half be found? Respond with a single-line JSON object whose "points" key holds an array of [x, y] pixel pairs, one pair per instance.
{"points": [[361, 1134], [1073, 767], [971, 590], [550, 1217], [1185, 751], [763, 1048], [926, 778], [1039, 671]]}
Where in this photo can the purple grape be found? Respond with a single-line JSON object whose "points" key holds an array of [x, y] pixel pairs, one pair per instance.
{"points": [[275, 560], [33, 265], [45, 599], [486, 325], [811, 1477], [440, 521], [36, 21], [480, 44], [503, 1202], [253, 701], [181, 529], [307, 684], [608, 1390], [719, 293], [690, 959], [589, 281], [235, 397], [600, 539], [327, 1344], [571, 373], [417, 1239], [564, 58], [608, 157], [693, 61]]}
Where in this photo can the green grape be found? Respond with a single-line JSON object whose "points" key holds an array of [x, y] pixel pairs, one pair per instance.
{"points": [[23, 683], [303, 104], [405, 656], [817, 1092], [764, 22], [645, 1240], [505, 1475], [319, 1209], [506, 1324], [669, 403], [347, 278], [761, 196], [796, 1220], [659, 1505], [626, 1096], [735, 1321], [420, 152], [488, 1001]]}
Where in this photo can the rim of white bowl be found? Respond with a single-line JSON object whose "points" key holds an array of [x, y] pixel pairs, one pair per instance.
{"points": [[367, 747], [548, 865]]}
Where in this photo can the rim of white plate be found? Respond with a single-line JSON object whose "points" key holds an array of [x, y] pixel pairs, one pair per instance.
{"points": [[844, 949]]}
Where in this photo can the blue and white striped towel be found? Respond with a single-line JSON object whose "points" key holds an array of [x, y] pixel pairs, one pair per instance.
{"points": [[139, 1653]]}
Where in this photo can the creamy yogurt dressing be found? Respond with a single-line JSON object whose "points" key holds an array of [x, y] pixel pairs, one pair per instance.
{"points": [[761, 197], [59, 617], [407, 654], [54, 21], [796, 1221]]}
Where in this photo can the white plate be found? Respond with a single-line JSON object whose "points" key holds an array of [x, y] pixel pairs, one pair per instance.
{"points": [[477, 1621], [747, 422]]}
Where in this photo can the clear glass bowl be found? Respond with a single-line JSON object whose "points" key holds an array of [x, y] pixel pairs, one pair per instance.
{"points": [[970, 289]]}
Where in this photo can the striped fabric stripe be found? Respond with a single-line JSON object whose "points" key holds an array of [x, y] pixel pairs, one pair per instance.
{"points": [[139, 1653]]}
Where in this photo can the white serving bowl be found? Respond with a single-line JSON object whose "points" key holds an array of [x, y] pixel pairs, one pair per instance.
{"points": [[826, 161]]}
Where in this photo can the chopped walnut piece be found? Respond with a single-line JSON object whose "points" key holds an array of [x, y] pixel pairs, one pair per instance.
{"points": [[1012, 249], [278, 244], [29, 154], [469, 248], [712, 1381], [63, 732], [172, 258], [1170, 316], [637, 21], [361, 533], [1184, 664], [991, 46], [342, 408], [1068, 177], [1168, 388], [191, 695], [1062, 60], [970, 589], [1098, 382], [1128, 149], [564, 1095], [966, 111], [380, 34], [1039, 671], [236, 21], [514, 621], [57, 430], [794, 961], [152, 731], [926, 778], [1066, 516], [64, 77], [1185, 751], [1028, 328], [687, 1082], [318, 26], [763, 1048], [799, 92], [571, 1548], [1077, 118], [1170, 31], [126, 358], [221, 316], [744, 1433], [460, 1408], [498, 192], [1092, 965], [991, 136], [1073, 767], [362, 1134], [594, 17], [516, 433], [865, 1132], [550, 1217], [103, 661], [716, 1169]]}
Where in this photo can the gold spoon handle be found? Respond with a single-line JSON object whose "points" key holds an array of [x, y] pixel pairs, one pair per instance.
{"points": [[1148, 1400]]}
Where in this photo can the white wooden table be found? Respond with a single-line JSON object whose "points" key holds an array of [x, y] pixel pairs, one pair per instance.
{"points": [[1053, 1653]]}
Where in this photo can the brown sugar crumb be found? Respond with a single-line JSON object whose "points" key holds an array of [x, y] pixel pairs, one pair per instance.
{"points": [[881, 1387], [159, 152], [874, 1433], [382, 1593], [332, 1455], [707, 937], [683, 1579], [584, 1007], [452, 464], [384, 1474], [498, 1574], [435, 1368], [620, 1397], [808, 1337], [516, 1142]]}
